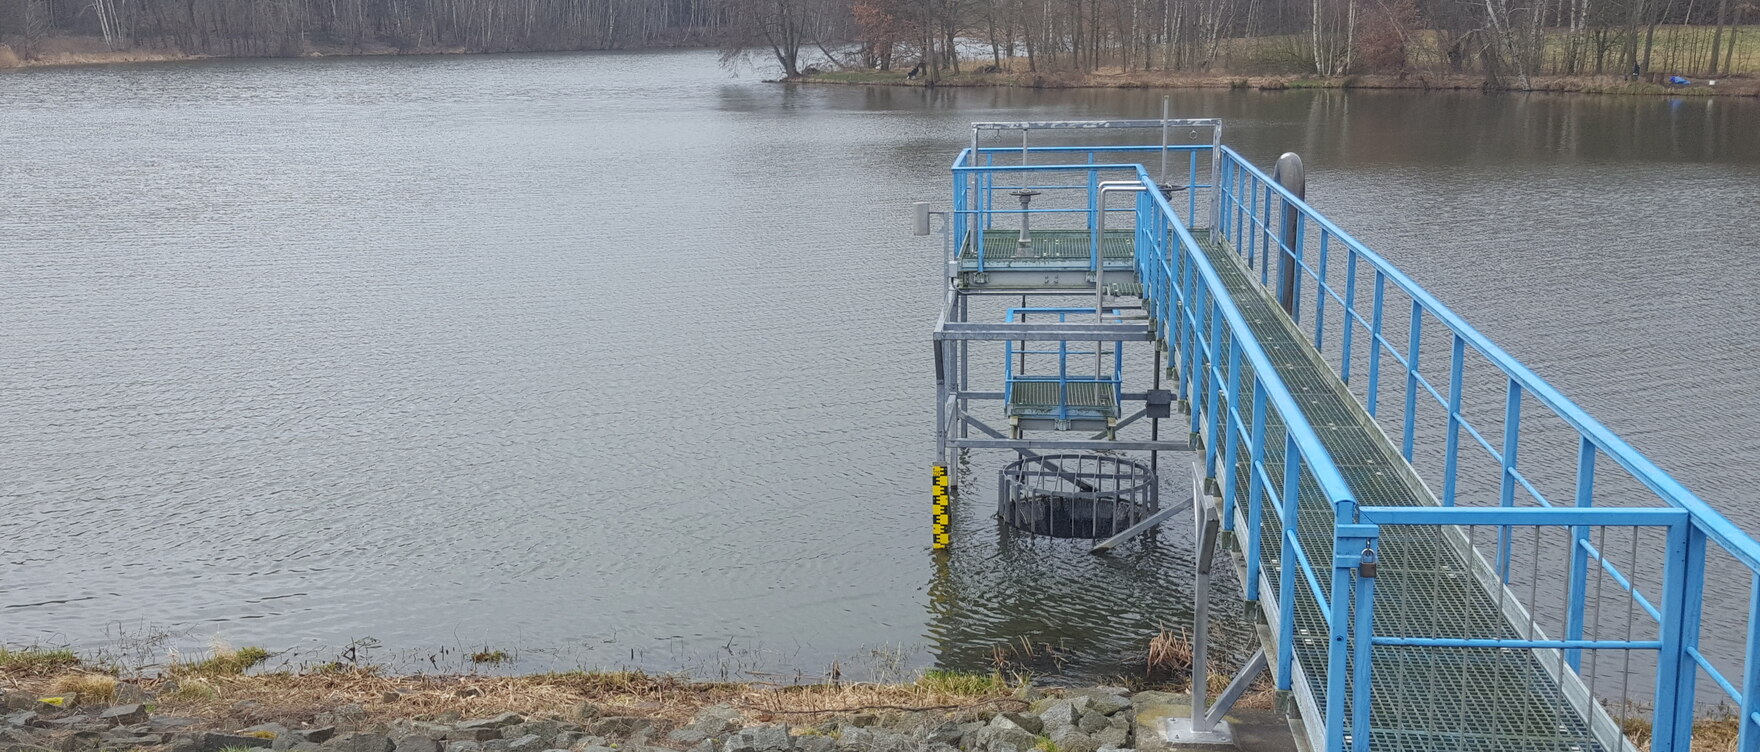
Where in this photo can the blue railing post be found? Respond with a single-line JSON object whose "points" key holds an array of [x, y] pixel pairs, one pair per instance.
{"points": [[1347, 315], [1452, 443], [1256, 496], [1375, 342], [1231, 434], [1350, 543], [1417, 336], [1215, 390], [1320, 294], [1288, 512], [1506, 492], [1200, 370], [1748, 739], [1362, 647], [961, 217], [1683, 577], [1192, 192], [1576, 599]]}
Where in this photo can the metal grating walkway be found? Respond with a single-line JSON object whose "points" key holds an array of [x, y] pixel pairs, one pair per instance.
{"points": [[1427, 699], [1002, 248], [1027, 397]]}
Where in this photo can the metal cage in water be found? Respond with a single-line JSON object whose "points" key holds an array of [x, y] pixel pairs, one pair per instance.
{"points": [[1076, 495]]}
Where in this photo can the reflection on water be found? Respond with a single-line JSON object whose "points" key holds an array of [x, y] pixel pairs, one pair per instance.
{"points": [[620, 361]]}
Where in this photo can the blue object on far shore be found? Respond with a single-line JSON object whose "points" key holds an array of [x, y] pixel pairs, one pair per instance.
{"points": [[1678, 81]]}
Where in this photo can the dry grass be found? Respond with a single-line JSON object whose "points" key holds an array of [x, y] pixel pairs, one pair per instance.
{"points": [[227, 701], [1709, 734], [1170, 655], [88, 687]]}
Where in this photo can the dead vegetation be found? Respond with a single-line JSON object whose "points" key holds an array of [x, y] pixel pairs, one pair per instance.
{"points": [[222, 695]]}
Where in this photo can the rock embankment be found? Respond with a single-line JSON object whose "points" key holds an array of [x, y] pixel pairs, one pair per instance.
{"points": [[1100, 719]]}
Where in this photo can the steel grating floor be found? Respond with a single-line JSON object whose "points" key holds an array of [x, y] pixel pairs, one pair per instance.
{"points": [[1053, 247], [1427, 699], [1041, 398]]}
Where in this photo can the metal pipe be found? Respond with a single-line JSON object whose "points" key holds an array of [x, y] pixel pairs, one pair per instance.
{"points": [[1289, 174], [1204, 526], [1110, 186], [1166, 103]]}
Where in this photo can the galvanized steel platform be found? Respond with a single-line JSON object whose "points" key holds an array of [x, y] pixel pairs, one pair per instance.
{"points": [[1424, 699], [1388, 626]]}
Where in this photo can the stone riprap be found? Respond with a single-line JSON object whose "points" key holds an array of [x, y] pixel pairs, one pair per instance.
{"points": [[1097, 719]]}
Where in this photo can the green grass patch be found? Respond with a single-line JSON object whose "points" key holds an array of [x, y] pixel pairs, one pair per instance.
{"points": [[961, 682], [224, 663], [36, 661], [487, 657], [1044, 744]]}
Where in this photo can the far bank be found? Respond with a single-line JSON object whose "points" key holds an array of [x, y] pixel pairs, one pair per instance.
{"points": [[1741, 86]]}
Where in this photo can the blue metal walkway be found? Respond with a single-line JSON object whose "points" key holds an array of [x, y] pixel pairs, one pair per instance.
{"points": [[1447, 553]]}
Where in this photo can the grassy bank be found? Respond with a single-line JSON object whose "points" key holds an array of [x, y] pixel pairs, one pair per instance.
{"points": [[1736, 87]]}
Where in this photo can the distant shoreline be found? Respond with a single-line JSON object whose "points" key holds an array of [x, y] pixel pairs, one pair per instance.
{"points": [[1732, 87], [74, 52]]}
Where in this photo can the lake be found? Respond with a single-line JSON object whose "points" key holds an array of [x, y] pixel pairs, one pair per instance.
{"points": [[621, 360]]}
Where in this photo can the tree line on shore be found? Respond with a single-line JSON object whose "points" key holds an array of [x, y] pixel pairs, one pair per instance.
{"points": [[1507, 41]]}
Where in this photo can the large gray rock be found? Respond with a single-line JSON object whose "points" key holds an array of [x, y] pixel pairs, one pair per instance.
{"points": [[1092, 722], [710, 723], [17, 736], [526, 743], [770, 737], [415, 743], [436, 731], [1057, 716], [124, 715], [131, 741], [1028, 723], [875, 739], [342, 715], [948, 733], [1010, 738], [463, 746], [618, 726], [1113, 736], [210, 741], [1106, 702], [359, 741], [473, 734], [493, 722], [544, 730], [80, 741], [1071, 739], [271, 731], [317, 735], [813, 743], [21, 719]]}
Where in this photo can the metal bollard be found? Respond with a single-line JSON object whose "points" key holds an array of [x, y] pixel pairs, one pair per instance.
{"points": [[1289, 174]]}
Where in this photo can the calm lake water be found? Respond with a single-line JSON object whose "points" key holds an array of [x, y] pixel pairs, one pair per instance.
{"points": [[617, 360]]}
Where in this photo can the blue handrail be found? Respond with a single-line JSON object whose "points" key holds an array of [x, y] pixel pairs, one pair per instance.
{"points": [[1252, 205]]}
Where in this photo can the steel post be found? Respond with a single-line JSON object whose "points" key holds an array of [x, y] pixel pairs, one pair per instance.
{"points": [[1289, 174]]}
